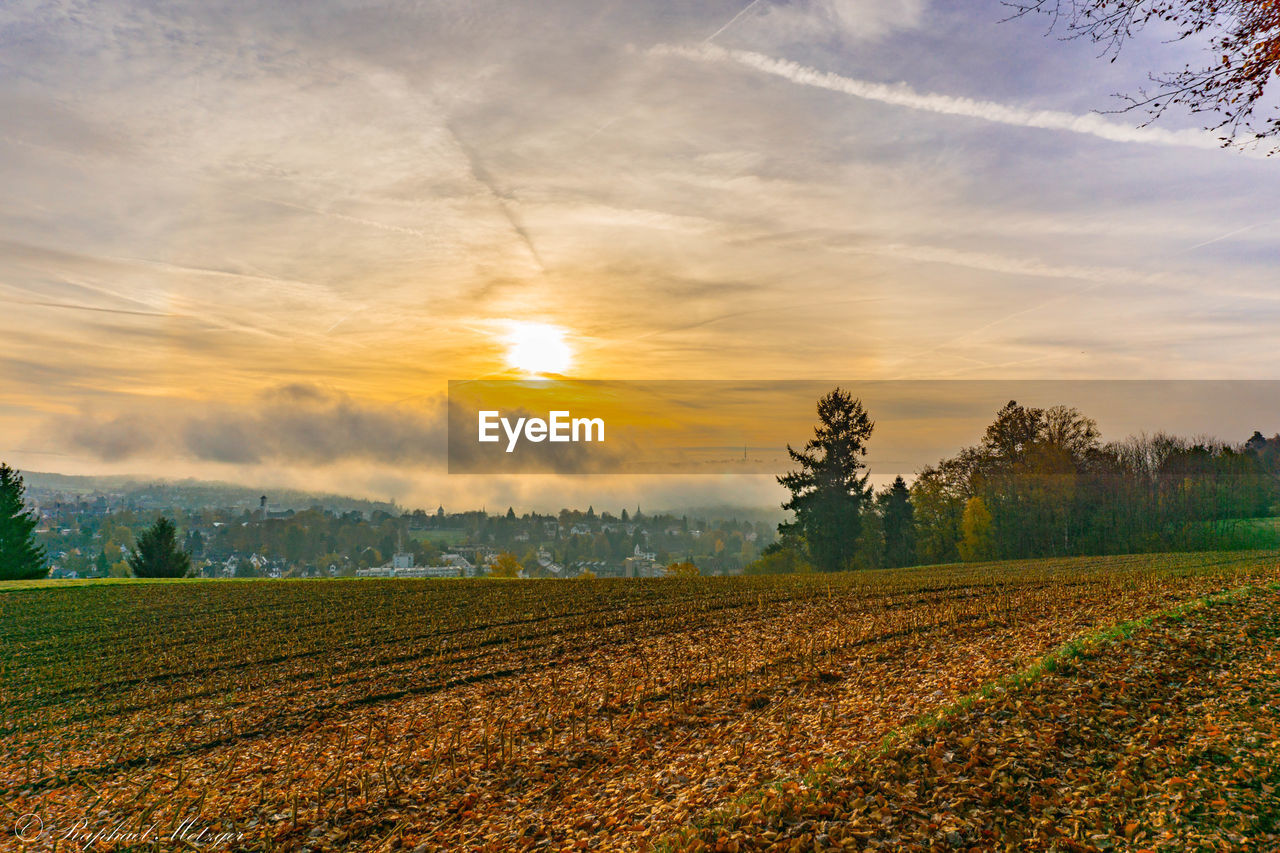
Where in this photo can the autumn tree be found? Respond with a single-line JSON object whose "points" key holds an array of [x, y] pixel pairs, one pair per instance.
{"points": [[1013, 431], [505, 565], [20, 557], [1067, 428], [938, 497], [1041, 484], [976, 527], [1028, 474], [157, 555], [778, 559], [1243, 41], [683, 569], [829, 490]]}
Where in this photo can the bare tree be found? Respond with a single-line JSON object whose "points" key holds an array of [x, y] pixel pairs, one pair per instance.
{"points": [[1243, 49]]}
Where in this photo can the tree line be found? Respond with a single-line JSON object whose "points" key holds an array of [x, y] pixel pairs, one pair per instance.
{"points": [[1040, 483]]}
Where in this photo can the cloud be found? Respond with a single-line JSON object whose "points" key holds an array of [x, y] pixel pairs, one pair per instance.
{"points": [[1012, 265], [902, 95], [109, 439], [861, 20], [296, 423]]}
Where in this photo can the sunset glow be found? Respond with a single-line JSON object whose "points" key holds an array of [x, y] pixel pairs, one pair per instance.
{"points": [[538, 348]]}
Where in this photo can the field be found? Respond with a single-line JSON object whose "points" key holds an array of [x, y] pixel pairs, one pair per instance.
{"points": [[602, 714], [1159, 737], [1246, 533], [445, 536]]}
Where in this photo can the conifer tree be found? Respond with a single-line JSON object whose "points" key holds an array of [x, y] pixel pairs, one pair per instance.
{"points": [[20, 557], [157, 554], [829, 491]]}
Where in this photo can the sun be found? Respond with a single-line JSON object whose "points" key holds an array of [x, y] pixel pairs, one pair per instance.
{"points": [[538, 348]]}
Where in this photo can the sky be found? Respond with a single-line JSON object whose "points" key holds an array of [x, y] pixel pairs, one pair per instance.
{"points": [[253, 242]]}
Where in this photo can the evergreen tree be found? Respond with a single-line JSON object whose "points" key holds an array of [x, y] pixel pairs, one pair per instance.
{"points": [[829, 491], [157, 554], [194, 543], [897, 518], [20, 557]]}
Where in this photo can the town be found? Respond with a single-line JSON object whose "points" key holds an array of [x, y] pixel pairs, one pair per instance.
{"points": [[231, 535]]}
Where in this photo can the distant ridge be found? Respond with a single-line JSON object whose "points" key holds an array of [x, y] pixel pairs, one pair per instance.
{"points": [[190, 493], [753, 514]]}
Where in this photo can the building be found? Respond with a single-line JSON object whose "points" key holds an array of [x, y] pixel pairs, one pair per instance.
{"points": [[549, 565], [641, 567], [459, 562], [402, 566]]}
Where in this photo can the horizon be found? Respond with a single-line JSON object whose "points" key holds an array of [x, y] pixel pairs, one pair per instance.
{"points": [[125, 480], [918, 423]]}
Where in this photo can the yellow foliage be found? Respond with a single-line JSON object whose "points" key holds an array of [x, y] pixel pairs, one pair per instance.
{"points": [[505, 565], [976, 529], [682, 570]]}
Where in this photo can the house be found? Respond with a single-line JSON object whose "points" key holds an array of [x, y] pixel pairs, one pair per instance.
{"points": [[640, 567], [376, 572], [402, 566], [549, 565], [459, 562]]}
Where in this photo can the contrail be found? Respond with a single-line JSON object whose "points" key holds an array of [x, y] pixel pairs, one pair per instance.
{"points": [[345, 318], [397, 229], [903, 95], [74, 307], [482, 176], [972, 333], [601, 129], [1229, 234], [745, 9], [41, 452]]}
